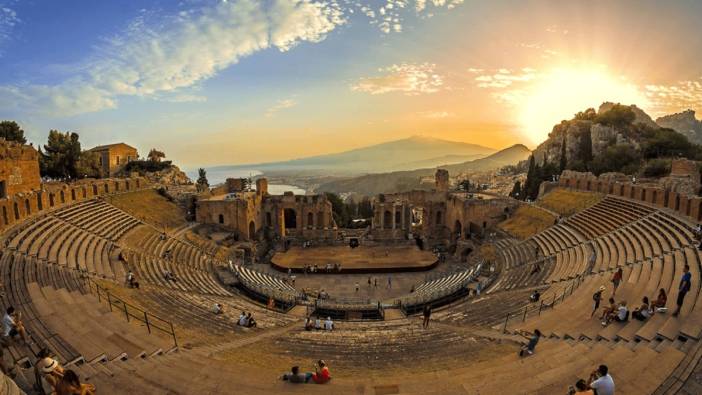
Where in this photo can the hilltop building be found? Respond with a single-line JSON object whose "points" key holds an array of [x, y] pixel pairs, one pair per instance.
{"points": [[113, 157]]}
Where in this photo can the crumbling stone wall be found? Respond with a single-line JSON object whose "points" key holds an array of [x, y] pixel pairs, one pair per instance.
{"points": [[249, 213], [19, 168]]}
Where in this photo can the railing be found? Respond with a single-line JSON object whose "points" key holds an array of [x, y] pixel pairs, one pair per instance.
{"points": [[426, 297], [116, 304], [521, 314]]}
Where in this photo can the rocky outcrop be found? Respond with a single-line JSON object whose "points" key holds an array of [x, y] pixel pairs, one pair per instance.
{"points": [[171, 176], [684, 123], [641, 116]]}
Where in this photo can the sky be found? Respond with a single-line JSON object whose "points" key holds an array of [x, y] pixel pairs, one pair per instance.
{"points": [[251, 81]]}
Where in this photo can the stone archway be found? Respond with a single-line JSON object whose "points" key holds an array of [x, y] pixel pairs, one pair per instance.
{"points": [[310, 220], [387, 219], [290, 218], [457, 229]]}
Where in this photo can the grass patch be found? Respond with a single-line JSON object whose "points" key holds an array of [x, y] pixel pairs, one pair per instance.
{"points": [[566, 202], [527, 221], [150, 207]]}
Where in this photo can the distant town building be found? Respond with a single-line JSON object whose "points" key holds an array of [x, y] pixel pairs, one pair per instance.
{"points": [[113, 157]]}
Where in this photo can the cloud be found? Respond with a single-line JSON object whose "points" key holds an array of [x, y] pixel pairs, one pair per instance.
{"points": [[408, 78], [183, 98], [503, 78], [8, 21], [280, 105], [390, 14], [153, 57], [434, 114], [675, 97], [555, 29]]}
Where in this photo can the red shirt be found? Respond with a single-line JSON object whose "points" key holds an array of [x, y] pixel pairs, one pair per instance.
{"points": [[323, 377]]}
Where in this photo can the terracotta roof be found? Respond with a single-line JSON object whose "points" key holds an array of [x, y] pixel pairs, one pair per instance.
{"points": [[108, 146]]}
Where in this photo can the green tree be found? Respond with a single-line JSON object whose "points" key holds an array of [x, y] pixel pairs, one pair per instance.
{"points": [[155, 155], [61, 155], [516, 190], [588, 115], [340, 211], [617, 116], [365, 208], [89, 165], [202, 183], [11, 131], [622, 158]]}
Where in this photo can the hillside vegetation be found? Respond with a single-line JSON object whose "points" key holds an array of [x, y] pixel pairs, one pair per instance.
{"points": [[149, 206], [566, 202], [527, 221]]}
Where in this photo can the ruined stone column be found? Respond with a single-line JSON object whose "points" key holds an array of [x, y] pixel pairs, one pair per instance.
{"points": [[394, 212], [403, 225], [382, 216]]}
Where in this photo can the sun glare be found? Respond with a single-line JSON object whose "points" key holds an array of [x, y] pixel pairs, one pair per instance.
{"points": [[561, 93]]}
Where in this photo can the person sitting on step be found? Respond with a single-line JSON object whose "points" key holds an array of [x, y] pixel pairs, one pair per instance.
{"points": [[70, 385], [317, 323], [620, 315], [643, 312], [250, 321], [309, 324], [295, 376], [529, 347], [581, 388], [169, 276], [217, 309], [12, 325], [608, 309], [321, 373], [131, 280], [243, 321], [658, 305], [328, 324], [601, 381], [535, 296], [48, 369]]}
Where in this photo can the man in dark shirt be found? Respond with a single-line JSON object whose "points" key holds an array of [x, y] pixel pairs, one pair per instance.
{"points": [[684, 288], [295, 376]]}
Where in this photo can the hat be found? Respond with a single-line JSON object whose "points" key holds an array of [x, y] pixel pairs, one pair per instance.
{"points": [[602, 288], [48, 365]]}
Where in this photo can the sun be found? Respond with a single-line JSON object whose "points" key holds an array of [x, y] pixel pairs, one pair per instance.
{"points": [[561, 93]]}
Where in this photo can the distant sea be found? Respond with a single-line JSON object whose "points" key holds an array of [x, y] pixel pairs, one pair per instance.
{"points": [[218, 176]]}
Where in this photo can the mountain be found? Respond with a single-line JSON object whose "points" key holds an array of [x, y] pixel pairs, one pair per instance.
{"points": [[684, 123], [438, 161], [399, 181], [406, 154]]}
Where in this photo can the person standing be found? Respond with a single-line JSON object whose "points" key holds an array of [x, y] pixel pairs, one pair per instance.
{"points": [[596, 299], [427, 315], [357, 286], [683, 289], [617, 279], [389, 282]]}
